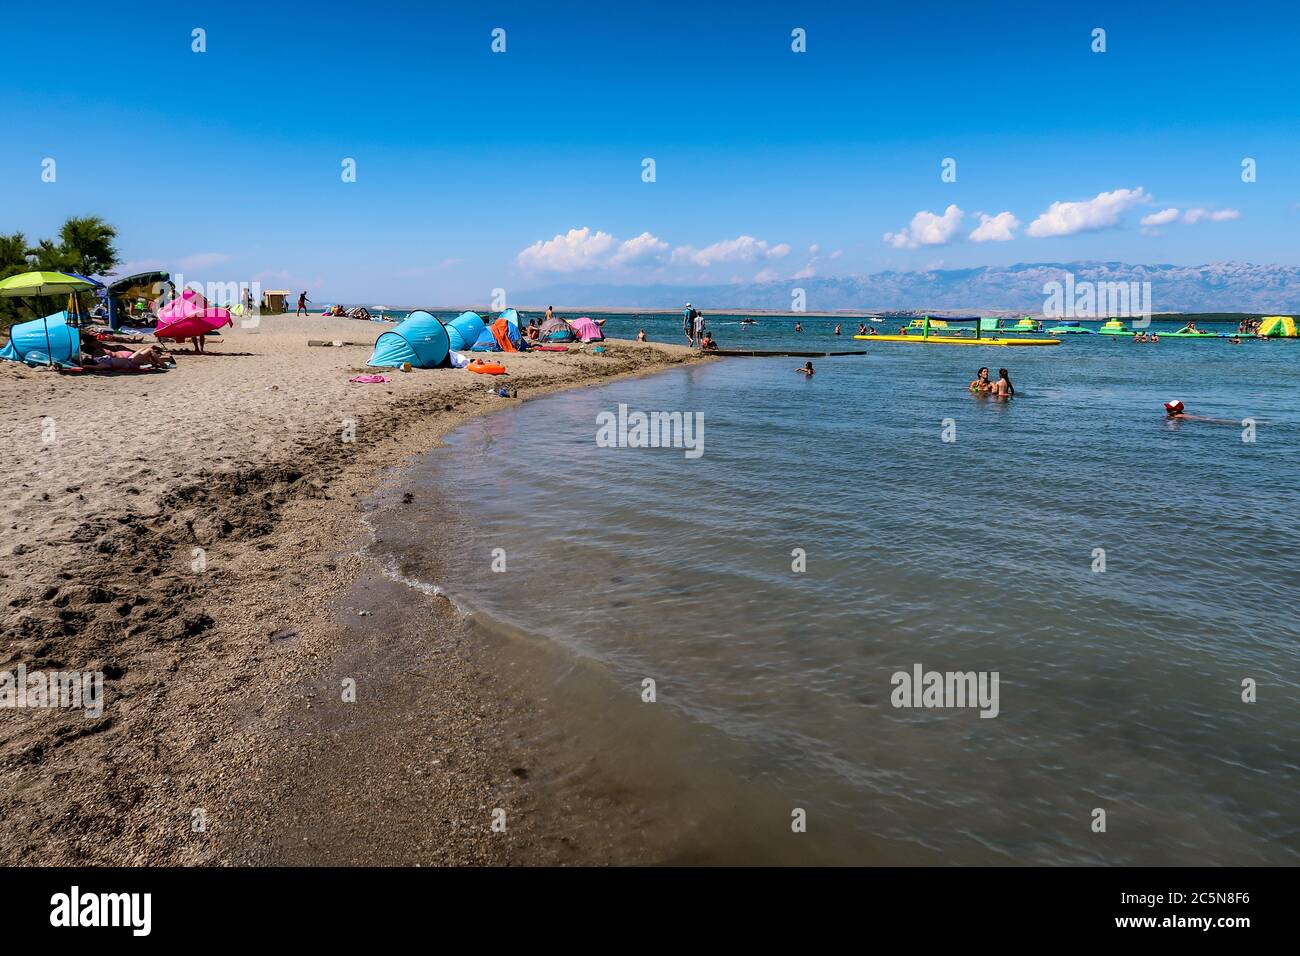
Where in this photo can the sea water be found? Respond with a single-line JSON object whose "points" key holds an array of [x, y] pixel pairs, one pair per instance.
{"points": [[1131, 582]]}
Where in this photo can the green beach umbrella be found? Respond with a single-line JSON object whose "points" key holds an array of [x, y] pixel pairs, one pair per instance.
{"points": [[38, 285]]}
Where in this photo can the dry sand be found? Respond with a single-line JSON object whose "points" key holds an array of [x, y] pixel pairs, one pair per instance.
{"points": [[194, 535]]}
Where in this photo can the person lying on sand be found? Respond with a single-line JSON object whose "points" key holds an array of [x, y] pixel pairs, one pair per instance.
{"points": [[806, 369], [97, 355]]}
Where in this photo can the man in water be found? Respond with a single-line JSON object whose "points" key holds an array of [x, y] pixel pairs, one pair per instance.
{"points": [[806, 369], [837, 328], [798, 327], [981, 385], [1174, 412]]}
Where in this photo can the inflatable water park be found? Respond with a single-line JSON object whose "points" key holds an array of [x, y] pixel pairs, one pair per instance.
{"points": [[928, 330]]}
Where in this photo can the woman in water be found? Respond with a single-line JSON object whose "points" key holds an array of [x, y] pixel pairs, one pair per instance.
{"points": [[981, 385], [806, 369], [1003, 388]]}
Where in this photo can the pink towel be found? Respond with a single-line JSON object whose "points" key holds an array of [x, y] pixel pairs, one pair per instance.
{"points": [[370, 379]]}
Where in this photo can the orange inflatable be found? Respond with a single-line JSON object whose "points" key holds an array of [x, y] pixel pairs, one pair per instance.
{"points": [[487, 368]]}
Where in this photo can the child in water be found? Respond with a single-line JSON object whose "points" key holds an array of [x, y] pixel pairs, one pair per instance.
{"points": [[1003, 388], [806, 369]]}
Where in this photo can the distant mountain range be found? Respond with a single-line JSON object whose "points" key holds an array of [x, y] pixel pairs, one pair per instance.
{"points": [[1219, 287]]}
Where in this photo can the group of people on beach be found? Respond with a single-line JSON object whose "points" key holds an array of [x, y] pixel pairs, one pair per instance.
{"points": [[1002, 388], [693, 329]]}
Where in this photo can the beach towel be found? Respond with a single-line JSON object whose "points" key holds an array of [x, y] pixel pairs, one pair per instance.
{"points": [[370, 379]]}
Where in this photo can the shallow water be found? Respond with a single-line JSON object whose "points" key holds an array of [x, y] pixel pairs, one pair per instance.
{"points": [[1119, 689]]}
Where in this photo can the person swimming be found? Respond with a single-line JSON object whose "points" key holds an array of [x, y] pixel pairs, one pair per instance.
{"points": [[806, 369], [981, 385], [837, 328], [1174, 412], [798, 326]]}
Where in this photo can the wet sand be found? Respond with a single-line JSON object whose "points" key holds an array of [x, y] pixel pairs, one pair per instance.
{"points": [[195, 536]]}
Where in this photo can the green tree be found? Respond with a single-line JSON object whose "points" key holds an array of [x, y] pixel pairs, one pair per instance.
{"points": [[86, 246]]}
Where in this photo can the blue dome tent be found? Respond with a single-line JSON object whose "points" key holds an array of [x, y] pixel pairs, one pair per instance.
{"points": [[27, 341], [421, 340], [464, 330]]}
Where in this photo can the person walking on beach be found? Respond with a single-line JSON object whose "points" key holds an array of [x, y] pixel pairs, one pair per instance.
{"points": [[688, 323], [302, 303], [699, 328], [248, 300]]}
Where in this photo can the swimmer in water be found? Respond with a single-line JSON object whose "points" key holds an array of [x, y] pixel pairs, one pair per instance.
{"points": [[1003, 388], [798, 327], [640, 335], [806, 369], [837, 328], [981, 385], [1174, 412]]}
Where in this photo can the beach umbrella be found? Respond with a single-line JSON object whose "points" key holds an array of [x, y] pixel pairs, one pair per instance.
{"points": [[39, 285]]}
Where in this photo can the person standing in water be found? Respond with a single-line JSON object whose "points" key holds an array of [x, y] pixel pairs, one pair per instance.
{"points": [[806, 369], [1003, 388], [688, 323], [798, 327], [699, 328], [981, 385], [837, 328]]}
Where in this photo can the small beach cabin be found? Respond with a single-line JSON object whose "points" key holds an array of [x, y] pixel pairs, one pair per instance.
{"points": [[275, 301]]}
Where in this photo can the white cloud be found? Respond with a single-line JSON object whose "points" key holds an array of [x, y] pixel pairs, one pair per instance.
{"points": [[814, 249], [927, 229], [837, 253], [574, 251], [807, 272], [999, 228], [740, 249], [1193, 216], [1101, 212], [764, 275], [1161, 218], [204, 260], [644, 249]]}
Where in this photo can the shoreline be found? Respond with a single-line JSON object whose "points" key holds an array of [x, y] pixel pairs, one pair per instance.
{"points": [[217, 722]]}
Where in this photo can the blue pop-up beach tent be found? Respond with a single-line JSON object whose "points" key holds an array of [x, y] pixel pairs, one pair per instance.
{"points": [[464, 330], [41, 340], [421, 340]]}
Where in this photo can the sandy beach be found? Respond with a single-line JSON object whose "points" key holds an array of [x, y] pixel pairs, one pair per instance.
{"points": [[195, 537]]}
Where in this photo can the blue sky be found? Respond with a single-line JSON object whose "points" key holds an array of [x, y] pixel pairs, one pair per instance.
{"points": [[478, 170]]}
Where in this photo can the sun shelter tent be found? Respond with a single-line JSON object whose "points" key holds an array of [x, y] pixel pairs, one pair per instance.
{"points": [[464, 330], [555, 329], [188, 316], [500, 336], [421, 340], [586, 330], [1277, 327], [45, 341], [124, 292], [512, 317], [41, 285], [275, 301]]}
